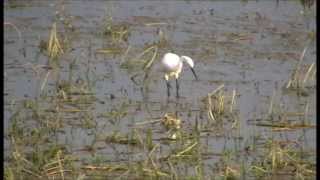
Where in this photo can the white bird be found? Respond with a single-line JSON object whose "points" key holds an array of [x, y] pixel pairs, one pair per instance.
{"points": [[172, 65]]}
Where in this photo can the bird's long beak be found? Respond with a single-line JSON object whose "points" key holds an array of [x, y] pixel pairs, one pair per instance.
{"points": [[194, 73]]}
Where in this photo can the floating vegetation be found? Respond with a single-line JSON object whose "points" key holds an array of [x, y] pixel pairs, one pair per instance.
{"points": [[170, 121], [116, 137], [284, 126], [116, 51], [135, 170]]}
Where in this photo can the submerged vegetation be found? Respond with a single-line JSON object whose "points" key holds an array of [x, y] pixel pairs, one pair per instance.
{"points": [[84, 125]]}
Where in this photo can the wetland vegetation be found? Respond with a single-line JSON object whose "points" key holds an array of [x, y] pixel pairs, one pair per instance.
{"points": [[84, 98]]}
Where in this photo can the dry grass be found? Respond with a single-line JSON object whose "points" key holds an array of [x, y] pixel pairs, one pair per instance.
{"points": [[54, 47]]}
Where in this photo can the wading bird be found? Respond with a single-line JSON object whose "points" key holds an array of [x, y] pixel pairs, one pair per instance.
{"points": [[172, 65]]}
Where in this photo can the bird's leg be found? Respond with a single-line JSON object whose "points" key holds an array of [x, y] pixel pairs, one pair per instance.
{"points": [[168, 88], [177, 87], [166, 77]]}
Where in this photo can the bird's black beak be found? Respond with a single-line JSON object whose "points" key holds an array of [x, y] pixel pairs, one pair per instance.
{"points": [[194, 73]]}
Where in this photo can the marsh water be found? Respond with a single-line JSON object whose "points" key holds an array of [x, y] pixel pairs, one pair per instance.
{"points": [[97, 96]]}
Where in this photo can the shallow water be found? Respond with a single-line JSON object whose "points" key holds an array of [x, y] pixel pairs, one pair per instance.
{"points": [[250, 47]]}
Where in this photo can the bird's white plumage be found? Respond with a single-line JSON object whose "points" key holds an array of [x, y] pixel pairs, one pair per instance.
{"points": [[171, 62], [172, 65]]}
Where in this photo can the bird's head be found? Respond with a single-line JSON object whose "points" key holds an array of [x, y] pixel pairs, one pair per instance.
{"points": [[190, 62]]}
